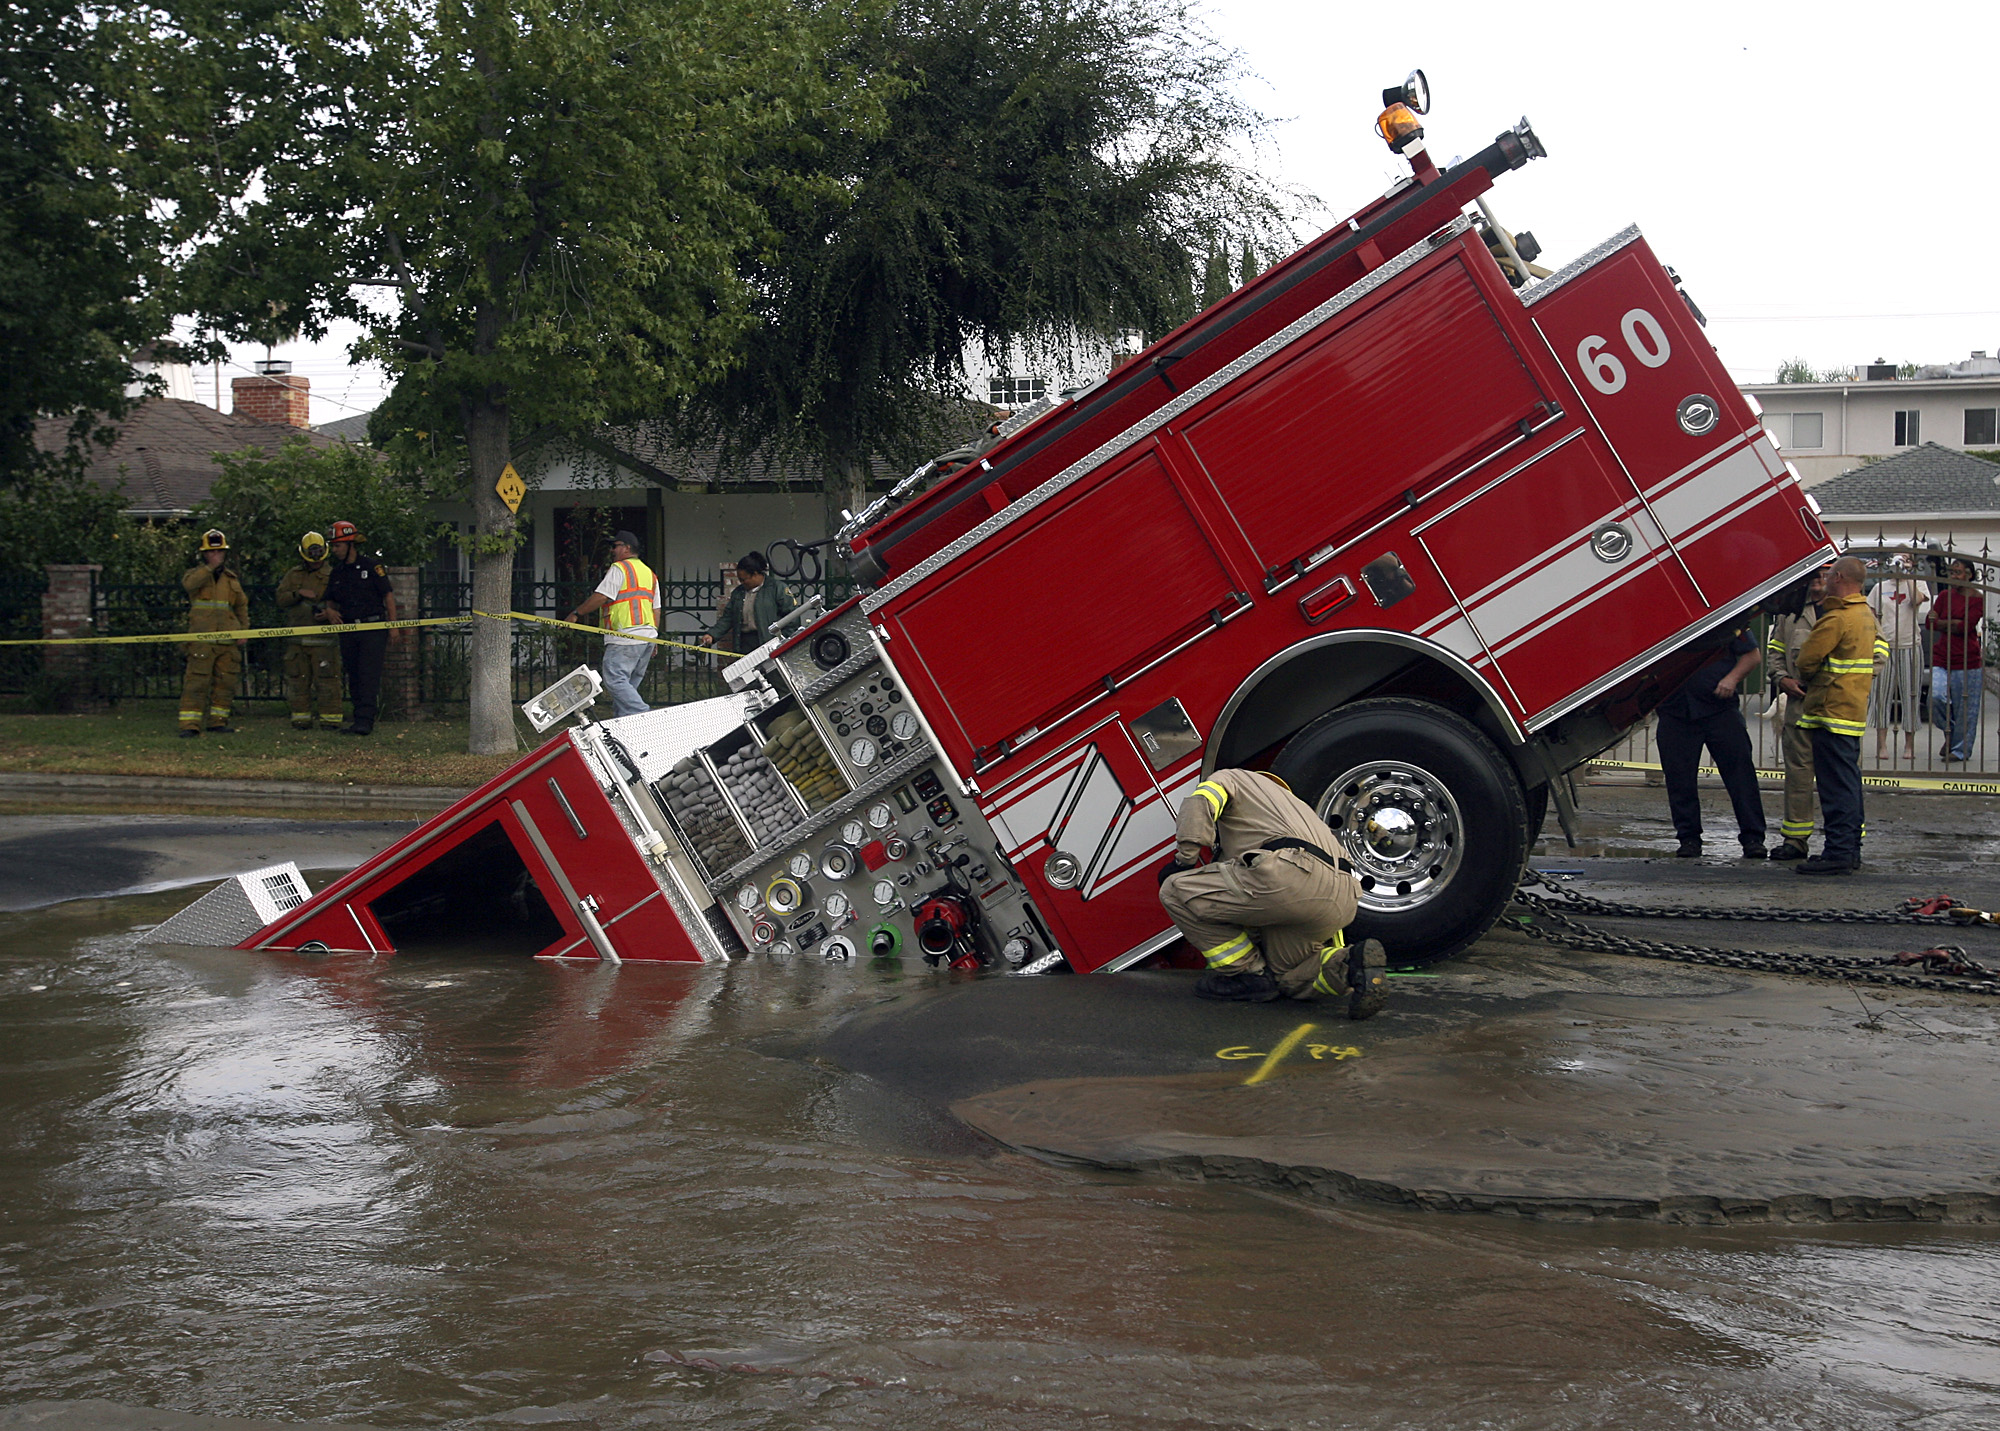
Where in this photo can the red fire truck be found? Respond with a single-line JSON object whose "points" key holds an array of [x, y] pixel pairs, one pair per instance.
{"points": [[1410, 523]]}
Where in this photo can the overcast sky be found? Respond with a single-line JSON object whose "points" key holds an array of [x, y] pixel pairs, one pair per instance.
{"points": [[1825, 178]]}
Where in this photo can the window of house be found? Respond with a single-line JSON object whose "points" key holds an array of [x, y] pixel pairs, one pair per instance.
{"points": [[1906, 429], [1015, 392], [1808, 429], [1981, 427]]}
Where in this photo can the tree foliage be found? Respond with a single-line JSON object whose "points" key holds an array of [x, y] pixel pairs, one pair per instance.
{"points": [[266, 502], [543, 211], [80, 252], [1051, 170]]}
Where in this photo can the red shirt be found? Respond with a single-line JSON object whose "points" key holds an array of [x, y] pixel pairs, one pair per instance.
{"points": [[1957, 650]]}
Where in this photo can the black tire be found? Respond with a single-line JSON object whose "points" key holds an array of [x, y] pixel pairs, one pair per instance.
{"points": [[1449, 820]]}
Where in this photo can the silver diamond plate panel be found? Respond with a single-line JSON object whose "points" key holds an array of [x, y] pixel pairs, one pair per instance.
{"points": [[1160, 417], [660, 737], [846, 671], [825, 819], [234, 910], [1538, 291]]}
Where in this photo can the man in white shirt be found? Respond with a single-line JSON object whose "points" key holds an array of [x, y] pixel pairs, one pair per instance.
{"points": [[629, 595]]}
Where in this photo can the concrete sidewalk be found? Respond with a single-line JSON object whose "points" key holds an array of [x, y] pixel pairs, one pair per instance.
{"points": [[183, 792]]}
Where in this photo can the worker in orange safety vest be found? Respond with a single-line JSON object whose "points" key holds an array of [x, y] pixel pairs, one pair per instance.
{"points": [[629, 597]]}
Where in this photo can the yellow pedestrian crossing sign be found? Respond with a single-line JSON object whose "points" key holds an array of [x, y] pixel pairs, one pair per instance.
{"points": [[511, 488]]}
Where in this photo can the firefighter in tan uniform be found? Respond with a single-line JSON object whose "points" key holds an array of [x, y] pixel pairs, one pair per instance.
{"points": [[1781, 670], [312, 663], [216, 603], [1268, 911], [1838, 662]]}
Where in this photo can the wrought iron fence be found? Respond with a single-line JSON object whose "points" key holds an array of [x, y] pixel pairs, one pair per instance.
{"points": [[688, 603], [20, 620], [1905, 737]]}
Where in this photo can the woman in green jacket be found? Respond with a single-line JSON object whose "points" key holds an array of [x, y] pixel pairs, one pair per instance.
{"points": [[744, 623]]}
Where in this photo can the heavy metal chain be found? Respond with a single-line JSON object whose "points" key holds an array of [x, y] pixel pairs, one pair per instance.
{"points": [[1946, 969], [1604, 908]]}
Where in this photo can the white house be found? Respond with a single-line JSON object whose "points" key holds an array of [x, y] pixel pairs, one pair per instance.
{"points": [[1825, 429]]}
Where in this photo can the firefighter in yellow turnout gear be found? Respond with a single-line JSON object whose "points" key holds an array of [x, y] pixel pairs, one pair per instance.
{"points": [[1267, 914], [216, 603], [1838, 664], [312, 663]]}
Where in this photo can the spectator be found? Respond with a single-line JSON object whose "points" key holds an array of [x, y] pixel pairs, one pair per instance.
{"points": [[1957, 660], [744, 623], [1897, 697]]}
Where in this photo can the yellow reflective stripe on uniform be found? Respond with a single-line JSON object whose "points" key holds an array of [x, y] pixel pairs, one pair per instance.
{"points": [[1833, 724], [1231, 952], [1216, 796], [1774, 644], [1795, 829], [223, 605], [1333, 946], [1843, 667]]}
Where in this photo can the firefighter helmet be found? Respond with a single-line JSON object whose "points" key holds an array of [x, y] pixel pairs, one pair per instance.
{"points": [[347, 532], [312, 546], [214, 541]]}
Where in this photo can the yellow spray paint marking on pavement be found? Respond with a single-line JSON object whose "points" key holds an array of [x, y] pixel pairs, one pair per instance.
{"points": [[1277, 1055]]}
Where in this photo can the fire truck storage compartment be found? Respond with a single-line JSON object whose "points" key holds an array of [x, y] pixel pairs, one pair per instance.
{"points": [[761, 795], [708, 827], [1079, 592], [1338, 427], [479, 893], [794, 745]]}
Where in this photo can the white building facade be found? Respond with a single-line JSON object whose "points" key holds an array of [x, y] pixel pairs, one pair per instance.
{"points": [[1827, 428]]}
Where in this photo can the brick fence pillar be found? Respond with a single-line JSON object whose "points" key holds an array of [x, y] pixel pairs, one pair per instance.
{"points": [[402, 669], [67, 611]]}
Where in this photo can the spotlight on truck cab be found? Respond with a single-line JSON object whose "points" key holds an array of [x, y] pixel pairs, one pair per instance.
{"points": [[566, 697]]}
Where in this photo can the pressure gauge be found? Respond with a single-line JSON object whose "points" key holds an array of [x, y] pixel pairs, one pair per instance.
{"points": [[853, 833], [877, 727], [783, 949], [861, 752], [800, 865], [903, 726], [835, 906], [880, 816], [885, 892], [763, 932], [747, 898]]}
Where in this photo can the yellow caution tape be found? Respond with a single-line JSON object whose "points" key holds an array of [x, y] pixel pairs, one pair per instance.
{"points": [[1878, 782], [602, 631], [259, 633], [266, 633]]}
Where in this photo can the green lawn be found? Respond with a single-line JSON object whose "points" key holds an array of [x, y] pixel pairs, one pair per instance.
{"points": [[141, 738]]}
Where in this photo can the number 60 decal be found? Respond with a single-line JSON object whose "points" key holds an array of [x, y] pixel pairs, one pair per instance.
{"points": [[1643, 335]]}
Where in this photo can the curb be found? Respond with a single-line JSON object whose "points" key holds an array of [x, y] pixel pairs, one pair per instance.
{"points": [[181, 790]]}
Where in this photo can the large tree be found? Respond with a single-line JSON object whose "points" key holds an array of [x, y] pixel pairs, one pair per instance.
{"points": [[80, 255], [1051, 171], [552, 204]]}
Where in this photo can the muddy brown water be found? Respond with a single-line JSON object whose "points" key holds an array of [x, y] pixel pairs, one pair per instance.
{"points": [[455, 1191]]}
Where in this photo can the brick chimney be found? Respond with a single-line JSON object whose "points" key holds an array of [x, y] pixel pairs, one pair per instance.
{"points": [[274, 395]]}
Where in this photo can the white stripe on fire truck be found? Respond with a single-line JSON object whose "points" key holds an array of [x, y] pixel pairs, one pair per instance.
{"points": [[1555, 583]]}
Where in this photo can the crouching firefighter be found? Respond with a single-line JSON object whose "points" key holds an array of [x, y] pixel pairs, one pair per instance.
{"points": [[1267, 913]]}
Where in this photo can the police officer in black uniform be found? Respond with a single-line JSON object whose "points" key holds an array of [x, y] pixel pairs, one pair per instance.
{"points": [[359, 591]]}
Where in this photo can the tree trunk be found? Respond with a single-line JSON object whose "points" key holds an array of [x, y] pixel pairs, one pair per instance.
{"points": [[492, 655]]}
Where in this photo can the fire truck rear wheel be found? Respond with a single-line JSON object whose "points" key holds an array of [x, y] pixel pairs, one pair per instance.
{"points": [[1428, 811]]}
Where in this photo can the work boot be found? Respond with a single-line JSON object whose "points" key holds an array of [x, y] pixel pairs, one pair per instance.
{"points": [[357, 730], [1755, 852], [189, 732], [302, 722], [1367, 979], [1789, 850], [1237, 988], [1689, 850], [222, 730], [1821, 865]]}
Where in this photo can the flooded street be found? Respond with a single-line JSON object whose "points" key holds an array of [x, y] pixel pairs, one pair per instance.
{"points": [[454, 1191]]}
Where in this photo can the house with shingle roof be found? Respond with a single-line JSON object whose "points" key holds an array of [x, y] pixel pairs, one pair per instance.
{"points": [[165, 450], [1930, 493]]}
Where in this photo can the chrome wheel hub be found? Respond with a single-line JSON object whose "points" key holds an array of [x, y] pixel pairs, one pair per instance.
{"points": [[1399, 827]]}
